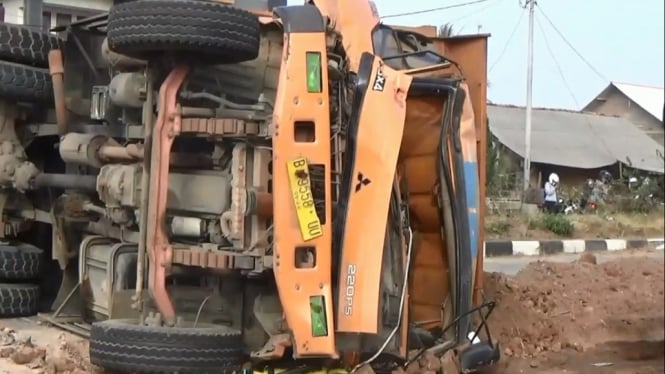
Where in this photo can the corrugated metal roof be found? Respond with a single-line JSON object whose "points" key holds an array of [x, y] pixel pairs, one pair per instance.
{"points": [[575, 139], [650, 98]]}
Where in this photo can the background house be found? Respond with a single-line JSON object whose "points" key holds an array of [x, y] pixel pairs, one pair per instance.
{"points": [[54, 12], [641, 105], [573, 144]]}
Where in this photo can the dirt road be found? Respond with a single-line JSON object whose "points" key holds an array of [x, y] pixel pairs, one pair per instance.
{"points": [[564, 315]]}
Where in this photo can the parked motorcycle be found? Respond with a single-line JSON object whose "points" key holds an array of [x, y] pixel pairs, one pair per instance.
{"points": [[593, 193]]}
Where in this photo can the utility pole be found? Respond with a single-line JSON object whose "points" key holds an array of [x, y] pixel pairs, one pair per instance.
{"points": [[529, 88]]}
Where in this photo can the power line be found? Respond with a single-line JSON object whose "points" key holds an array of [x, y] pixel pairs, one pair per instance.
{"points": [[599, 74], [599, 137], [556, 63], [435, 9], [510, 38], [475, 12]]}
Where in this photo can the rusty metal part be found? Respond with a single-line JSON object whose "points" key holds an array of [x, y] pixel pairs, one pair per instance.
{"points": [[199, 257], [167, 127], [263, 204], [220, 126], [57, 71], [274, 348]]}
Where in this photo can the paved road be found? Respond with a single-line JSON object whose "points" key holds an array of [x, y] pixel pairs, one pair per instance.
{"points": [[511, 265]]}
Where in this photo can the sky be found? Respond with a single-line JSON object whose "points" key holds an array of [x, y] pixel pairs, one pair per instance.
{"points": [[622, 40]]}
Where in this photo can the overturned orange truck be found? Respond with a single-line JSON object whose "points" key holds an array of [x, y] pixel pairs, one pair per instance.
{"points": [[253, 185]]}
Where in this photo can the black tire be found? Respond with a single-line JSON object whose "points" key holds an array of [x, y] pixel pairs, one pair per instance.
{"points": [[25, 83], [124, 346], [20, 262], [24, 45], [18, 300], [200, 31]]}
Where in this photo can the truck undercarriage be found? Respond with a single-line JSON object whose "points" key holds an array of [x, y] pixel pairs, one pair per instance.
{"points": [[221, 186]]}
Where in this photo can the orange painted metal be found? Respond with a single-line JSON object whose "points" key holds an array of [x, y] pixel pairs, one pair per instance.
{"points": [[377, 154], [160, 252], [296, 285], [354, 20], [379, 135]]}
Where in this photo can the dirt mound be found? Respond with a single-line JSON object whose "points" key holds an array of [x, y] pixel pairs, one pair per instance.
{"points": [[550, 307], [69, 356]]}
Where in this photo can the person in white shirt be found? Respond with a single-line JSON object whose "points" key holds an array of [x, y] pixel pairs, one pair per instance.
{"points": [[551, 200]]}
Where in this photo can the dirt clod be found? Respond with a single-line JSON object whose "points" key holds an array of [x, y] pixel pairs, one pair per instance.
{"points": [[27, 355], [7, 351], [589, 258]]}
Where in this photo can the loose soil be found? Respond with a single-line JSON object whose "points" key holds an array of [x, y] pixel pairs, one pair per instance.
{"points": [[580, 317], [20, 354], [587, 226]]}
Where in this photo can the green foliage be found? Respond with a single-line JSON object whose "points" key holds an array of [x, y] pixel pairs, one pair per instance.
{"points": [[501, 170], [558, 224], [498, 227]]}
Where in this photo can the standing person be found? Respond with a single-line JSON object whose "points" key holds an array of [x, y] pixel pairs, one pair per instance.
{"points": [[587, 193], [551, 200]]}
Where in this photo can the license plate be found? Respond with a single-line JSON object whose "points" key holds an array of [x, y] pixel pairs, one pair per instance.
{"points": [[301, 191]]}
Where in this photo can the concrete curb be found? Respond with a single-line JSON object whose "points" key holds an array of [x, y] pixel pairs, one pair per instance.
{"points": [[499, 248]]}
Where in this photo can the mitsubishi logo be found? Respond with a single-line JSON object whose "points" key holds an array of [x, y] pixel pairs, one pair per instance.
{"points": [[362, 181]]}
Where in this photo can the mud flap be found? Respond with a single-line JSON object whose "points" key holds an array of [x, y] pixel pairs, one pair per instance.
{"points": [[373, 143], [301, 140]]}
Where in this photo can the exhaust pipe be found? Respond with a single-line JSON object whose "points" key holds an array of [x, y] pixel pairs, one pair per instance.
{"points": [[57, 71]]}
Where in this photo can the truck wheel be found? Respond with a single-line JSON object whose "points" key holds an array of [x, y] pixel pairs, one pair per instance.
{"points": [[197, 30], [23, 45], [18, 300], [20, 262], [24, 83], [124, 346]]}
